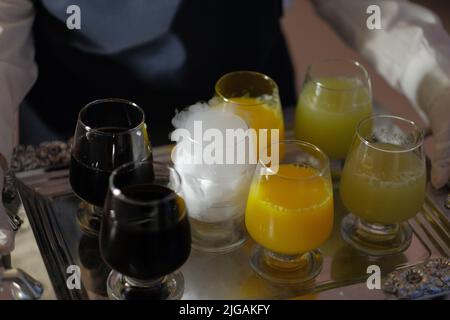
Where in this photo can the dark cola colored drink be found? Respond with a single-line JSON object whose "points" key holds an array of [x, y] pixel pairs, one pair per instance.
{"points": [[88, 183], [109, 133], [96, 157], [148, 235]]}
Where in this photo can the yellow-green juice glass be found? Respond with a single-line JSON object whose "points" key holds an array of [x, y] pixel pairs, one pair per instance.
{"points": [[335, 97], [383, 185]]}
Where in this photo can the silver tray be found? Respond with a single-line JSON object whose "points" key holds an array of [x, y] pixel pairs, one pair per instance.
{"points": [[51, 206]]}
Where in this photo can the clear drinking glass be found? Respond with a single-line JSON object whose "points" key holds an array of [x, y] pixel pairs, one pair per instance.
{"points": [[290, 214], [383, 184], [109, 133], [335, 97], [215, 192], [145, 234], [255, 98]]}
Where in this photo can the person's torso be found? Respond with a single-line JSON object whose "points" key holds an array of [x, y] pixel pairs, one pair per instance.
{"points": [[161, 54]]}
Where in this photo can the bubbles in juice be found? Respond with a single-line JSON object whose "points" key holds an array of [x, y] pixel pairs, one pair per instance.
{"points": [[383, 187]]}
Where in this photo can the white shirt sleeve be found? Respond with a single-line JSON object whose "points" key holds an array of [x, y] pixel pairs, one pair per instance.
{"points": [[411, 50], [18, 70]]}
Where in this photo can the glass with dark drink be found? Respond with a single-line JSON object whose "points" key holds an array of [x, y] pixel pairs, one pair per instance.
{"points": [[145, 234], [109, 133]]}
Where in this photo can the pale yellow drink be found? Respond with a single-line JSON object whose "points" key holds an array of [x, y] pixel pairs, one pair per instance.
{"points": [[383, 187], [328, 112]]}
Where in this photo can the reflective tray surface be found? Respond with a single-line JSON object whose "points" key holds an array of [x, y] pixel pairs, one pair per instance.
{"points": [[51, 206]]}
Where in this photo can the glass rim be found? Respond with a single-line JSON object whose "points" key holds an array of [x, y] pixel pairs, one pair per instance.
{"points": [[411, 123], [134, 164], [319, 173], [352, 62], [111, 100], [233, 73]]}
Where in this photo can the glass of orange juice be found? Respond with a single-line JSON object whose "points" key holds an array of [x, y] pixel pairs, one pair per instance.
{"points": [[254, 97], [335, 97], [383, 184], [290, 214]]}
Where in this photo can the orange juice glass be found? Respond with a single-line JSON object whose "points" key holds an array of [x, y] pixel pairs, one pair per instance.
{"points": [[254, 97], [290, 214]]}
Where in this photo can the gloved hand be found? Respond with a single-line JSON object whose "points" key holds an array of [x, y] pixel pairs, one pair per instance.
{"points": [[6, 233], [439, 115]]}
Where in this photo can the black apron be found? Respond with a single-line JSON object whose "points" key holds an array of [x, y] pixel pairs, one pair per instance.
{"points": [[161, 54]]}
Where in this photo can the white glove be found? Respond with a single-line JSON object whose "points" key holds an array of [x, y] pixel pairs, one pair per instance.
{"points": [[6, 233], [439, 116]]}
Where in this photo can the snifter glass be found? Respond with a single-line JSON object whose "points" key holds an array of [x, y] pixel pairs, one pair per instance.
{"points": [[335, 96], [109, 133], [145, 234], [290, 214], [254, 97], [383, 184]]}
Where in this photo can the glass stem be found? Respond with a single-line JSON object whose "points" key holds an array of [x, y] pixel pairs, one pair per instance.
{"points": [[283, 261], [377, 231], [336, 167]]}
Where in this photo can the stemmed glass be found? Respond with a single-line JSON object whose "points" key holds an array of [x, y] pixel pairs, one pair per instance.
{"points": [[145, 234], [383, 184], [254, 97], [109, 133], [290, 214], [335, 97]]}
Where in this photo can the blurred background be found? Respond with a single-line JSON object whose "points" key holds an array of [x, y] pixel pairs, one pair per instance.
{"points": [[311, 39]]}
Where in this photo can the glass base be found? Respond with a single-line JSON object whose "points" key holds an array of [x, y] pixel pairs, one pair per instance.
{"points": [[285, 269], [375, 239], [218, 237], [121, 287], [89, 218]]}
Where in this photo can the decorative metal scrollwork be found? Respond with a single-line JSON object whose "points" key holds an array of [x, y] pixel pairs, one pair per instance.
{"points": [[425, 280], [45, 155]]}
